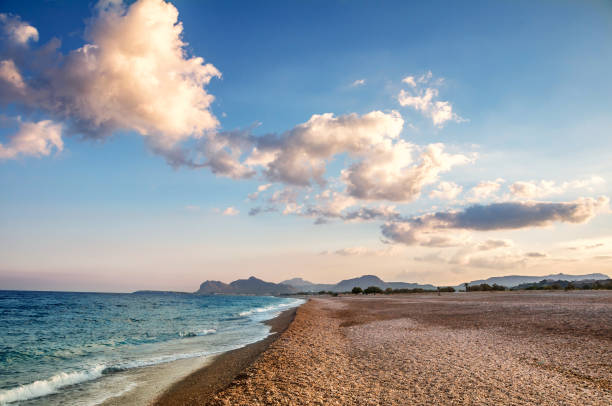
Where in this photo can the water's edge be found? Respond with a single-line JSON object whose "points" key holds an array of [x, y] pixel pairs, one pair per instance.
{"points": [[221, 370]]}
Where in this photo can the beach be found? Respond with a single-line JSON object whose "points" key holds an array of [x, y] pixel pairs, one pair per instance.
{"points": [[519, 348], [200, 386]]}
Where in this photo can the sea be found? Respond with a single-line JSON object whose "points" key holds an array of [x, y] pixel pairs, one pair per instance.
{"points": [[66, 348]]}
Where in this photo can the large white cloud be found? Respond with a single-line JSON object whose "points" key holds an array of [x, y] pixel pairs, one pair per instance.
{"points": [[132, 74], [299, 156], [391, 173]]}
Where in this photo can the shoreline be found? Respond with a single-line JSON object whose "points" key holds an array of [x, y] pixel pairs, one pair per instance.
{"points": [[201, 385]]}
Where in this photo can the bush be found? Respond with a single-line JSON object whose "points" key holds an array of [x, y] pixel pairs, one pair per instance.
{"points": [[372, 289], [446, 289], [485, 287], [388, 291], [356, 290]]}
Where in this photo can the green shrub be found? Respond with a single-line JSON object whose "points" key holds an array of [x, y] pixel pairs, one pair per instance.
{"points": [[356, 290], [372, 289]]}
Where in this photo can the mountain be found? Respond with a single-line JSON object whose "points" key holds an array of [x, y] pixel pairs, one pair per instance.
{"points": [[515, 280], [404, 285], [362, 282], [297, 282], [251, 286], [348, 284], [214, 287], [366, 281], [306, 286]]}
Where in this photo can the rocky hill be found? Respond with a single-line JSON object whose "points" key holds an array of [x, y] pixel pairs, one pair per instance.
{"points": [[251, 286]]}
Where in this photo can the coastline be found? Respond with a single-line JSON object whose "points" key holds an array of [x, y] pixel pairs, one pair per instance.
{"points": [[201, 384]]}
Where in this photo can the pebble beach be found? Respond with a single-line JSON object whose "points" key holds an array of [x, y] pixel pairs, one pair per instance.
{"points": [[513, 348]]}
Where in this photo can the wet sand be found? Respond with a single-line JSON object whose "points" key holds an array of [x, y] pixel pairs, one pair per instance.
{"points": [[200, 386], [511, 348]]}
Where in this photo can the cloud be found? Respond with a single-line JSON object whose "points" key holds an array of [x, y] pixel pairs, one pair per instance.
{"points": [[603, 257], [382, 212], [258, 210], [586, 247], [134, 73], [11, 76], [358, 82], [473, 255], [485, 189], [260, 189], [330, 203], [17, 31], [383, 166], [493, 244], [449, 228], [504, 261], [298, 156], [230, 211], [364, 251], [391, 174], [446, 191], [33, 139], [124, 80], [536, 255], [423, 98], [543, 188], [409, 80]]}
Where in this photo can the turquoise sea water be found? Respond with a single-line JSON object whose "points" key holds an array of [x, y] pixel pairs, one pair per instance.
{"points": [[56, 347]]}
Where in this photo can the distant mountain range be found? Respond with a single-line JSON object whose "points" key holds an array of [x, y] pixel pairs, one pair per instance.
{"points": [[515, 280], [255, 286]]}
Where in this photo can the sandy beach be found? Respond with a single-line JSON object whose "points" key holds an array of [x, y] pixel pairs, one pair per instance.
{"points": [[518, 348], [199, 386]]}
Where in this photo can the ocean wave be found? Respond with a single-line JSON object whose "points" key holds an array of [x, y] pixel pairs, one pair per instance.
{"points": [[55, 383], [205, 332], [51, 385], [271, 308]]}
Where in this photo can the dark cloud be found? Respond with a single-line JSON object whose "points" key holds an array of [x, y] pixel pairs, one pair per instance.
{"points": [[443, 228]]}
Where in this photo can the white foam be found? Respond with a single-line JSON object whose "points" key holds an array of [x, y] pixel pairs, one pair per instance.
{"points": [[272, 308], [104, 398], [48, 386], [199, 333]]}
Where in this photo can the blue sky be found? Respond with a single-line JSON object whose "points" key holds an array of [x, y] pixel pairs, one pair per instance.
{"points": [[529, 86]]}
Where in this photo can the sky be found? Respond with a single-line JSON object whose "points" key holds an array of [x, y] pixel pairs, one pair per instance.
{"points": [[154, 145]]}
